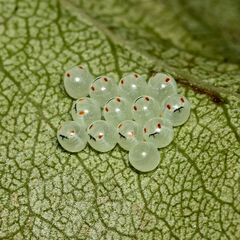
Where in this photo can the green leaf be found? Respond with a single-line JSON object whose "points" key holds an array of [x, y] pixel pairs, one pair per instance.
{"points": [[47, 193]]}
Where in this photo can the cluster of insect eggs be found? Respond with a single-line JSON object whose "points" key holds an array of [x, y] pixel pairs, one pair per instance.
{"points": [[136, 114]]}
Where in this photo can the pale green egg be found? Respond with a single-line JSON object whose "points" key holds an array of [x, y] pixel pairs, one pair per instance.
{"points": [[117, 110], [144, 156], [133, 85], [129, 134], [77, 81], [102, 89], [176, 108], [159, 131], [144, 108], [72, 136], [102, 136], [85, 110], [162, 85]]}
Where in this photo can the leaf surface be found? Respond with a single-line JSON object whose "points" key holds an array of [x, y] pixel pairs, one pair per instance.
{"points": [[47, 193]]}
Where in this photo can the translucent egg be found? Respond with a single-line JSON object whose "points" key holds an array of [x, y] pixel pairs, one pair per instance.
{"points": [[176, 108], [132, 86], [117, 110], [77, 81], [144, 157], [144, 108], [159, 131], [85, 110], [102, 136], [129, 134], [162, 85], [72, 136], [103, 89]]}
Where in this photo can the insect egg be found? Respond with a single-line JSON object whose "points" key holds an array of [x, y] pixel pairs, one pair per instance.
{"points": [[159, 131], [77, 81], [85, 110], [129, 134], [116, 110], [162, 85], [72, 136], [176, 108], [144, 108], [102, 89], [133, 85], [144, 156], [102, 136]]}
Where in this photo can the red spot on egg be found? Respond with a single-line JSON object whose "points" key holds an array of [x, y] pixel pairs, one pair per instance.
{"points": [[81, 113], [147, 98], [159, 125], [182, 99], [136, 75], [135, 108], [122, 81], [118, 99], [105, 79], [92, 88], [68, 75], [145, 130], [169, 106], [106, 109], [100, 135], [167, 79]]}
